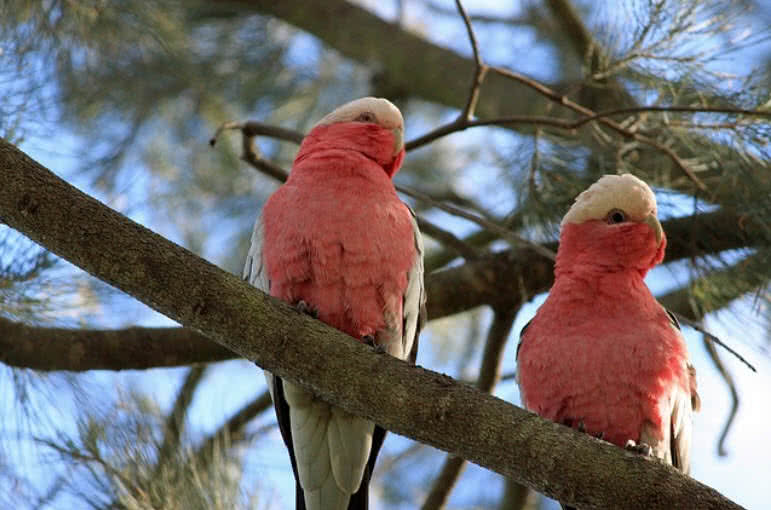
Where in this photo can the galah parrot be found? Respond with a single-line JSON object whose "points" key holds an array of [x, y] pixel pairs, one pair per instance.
{"points": [[601, 354], [336, 241]]}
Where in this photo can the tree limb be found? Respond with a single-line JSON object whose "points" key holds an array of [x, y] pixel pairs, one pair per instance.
{"points": [[489, 375], [411, 401], [497, 279], [134, 348]]}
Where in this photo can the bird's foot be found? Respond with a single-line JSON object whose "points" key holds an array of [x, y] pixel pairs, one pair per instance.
{"points": [[641, 448], [303, 307], [581, 427], [370, 340]]}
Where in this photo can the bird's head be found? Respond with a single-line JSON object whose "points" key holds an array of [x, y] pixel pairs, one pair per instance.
{"points": [[371, 126], [612, 226]]}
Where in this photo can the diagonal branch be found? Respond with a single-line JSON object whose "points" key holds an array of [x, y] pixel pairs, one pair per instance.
{"points": [[233, 428], [489, 375], [175, 422], [729, 380], [480, 69], [627, 133], [408, 400]]}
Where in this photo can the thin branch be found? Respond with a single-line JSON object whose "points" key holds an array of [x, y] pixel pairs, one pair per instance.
{"points": [[448, 239], [571, 125], [712, 338], [233, 428], [672, 109], [489, 374], [482, 222], [517, 497], [479, 18], [175, 422], [252, 129], [565, 101], [509, 376], [729, 380], [444, 482], [480, 69], [94, 457]]}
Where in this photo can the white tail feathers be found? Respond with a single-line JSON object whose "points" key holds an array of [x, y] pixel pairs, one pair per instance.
{"points": [[331, 449]]}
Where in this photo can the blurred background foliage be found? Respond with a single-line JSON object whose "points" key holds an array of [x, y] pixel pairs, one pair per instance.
{"points": [[121, 98]]}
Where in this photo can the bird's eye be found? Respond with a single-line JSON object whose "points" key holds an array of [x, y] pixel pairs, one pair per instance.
{"points": [[366, 117], [615, 216]]}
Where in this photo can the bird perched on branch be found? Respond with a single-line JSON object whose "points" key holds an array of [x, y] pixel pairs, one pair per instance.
{"points": [[601, 354], [336, 242]]}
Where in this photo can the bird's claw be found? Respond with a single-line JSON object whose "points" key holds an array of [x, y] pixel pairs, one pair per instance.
{"points": [[370, 340], [581, 427], [303, 307], [641, 448]]}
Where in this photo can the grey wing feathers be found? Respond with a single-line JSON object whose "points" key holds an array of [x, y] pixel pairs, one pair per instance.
{"points": [[254, 269], [414, 301], [256, 274], [683, 407]]}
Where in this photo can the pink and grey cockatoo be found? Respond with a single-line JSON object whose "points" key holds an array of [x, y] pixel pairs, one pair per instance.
{"points": [[601, 354], [336, 241]]}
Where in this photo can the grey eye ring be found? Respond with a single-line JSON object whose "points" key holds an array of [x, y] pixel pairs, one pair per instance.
{"points": [[615, 216], [366, 117]]}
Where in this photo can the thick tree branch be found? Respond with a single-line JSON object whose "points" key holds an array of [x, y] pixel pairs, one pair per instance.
{"points": [[135, 348], [408, 400], [489, 375]]}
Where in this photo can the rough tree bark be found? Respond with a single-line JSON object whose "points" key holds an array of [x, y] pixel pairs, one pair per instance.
{"points": [[411, 401]]}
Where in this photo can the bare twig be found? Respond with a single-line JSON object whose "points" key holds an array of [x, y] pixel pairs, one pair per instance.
{"points": [[444, 482], [517, 497], [390, 462], [565, 101], [175, 422], [672, 109], [94, 457], [252, 129], [729, 380], [234, 426], [570, 125], [712, 338], [480, 69], [509, 376], [489, 374], [448, 239], [482, 222]]}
